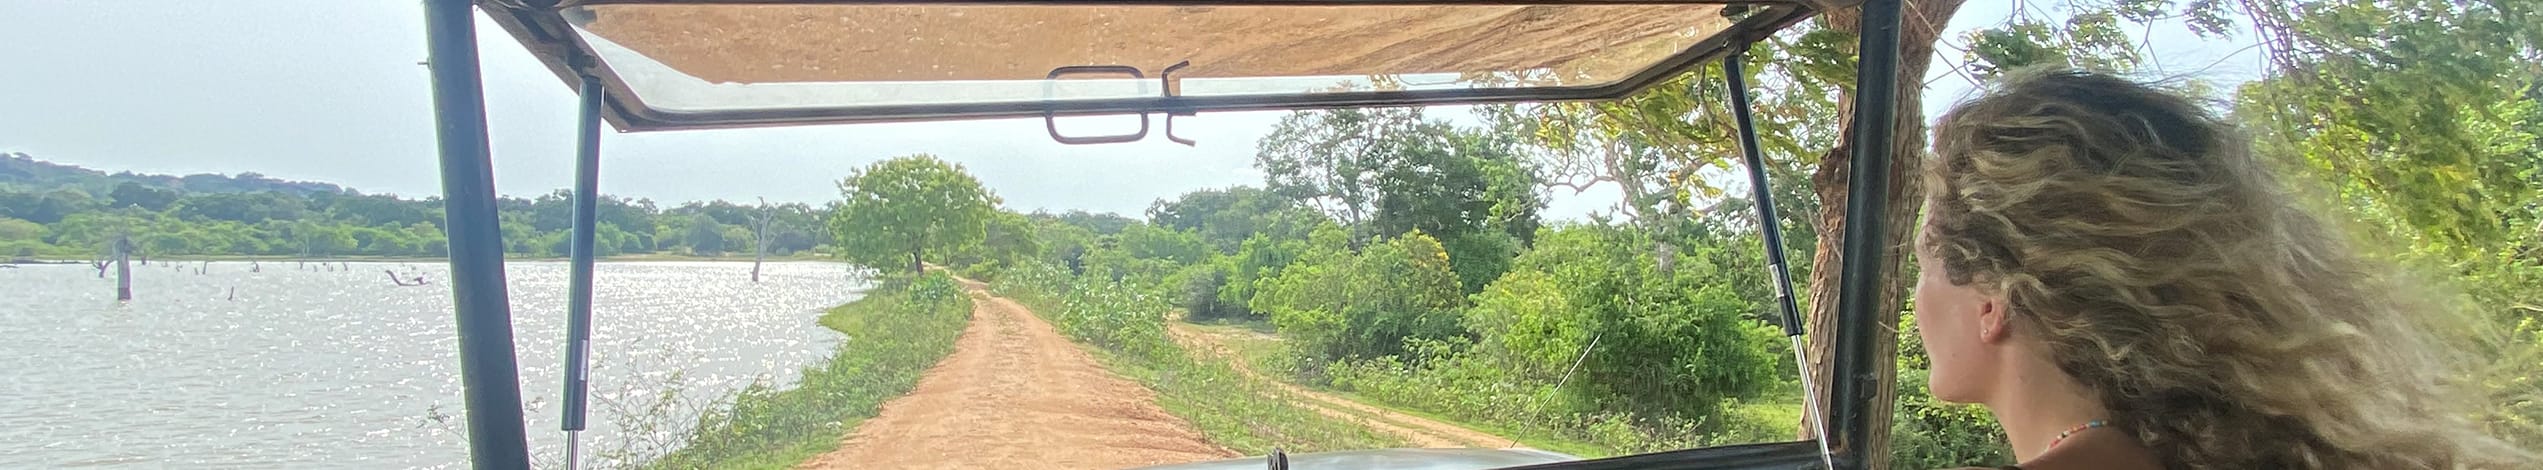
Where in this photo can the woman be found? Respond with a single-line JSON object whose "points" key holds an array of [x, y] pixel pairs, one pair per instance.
{"points": [[2109, 270]]}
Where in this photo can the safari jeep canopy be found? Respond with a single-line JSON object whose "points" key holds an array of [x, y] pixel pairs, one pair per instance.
{"points": [[649, 65]]}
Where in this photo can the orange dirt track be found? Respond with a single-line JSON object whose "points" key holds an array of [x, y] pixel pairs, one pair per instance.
{"points": [[1015, 394]]}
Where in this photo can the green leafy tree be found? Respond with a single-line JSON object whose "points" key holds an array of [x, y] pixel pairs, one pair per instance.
{"points": [[703, 236], [12, 230], [1338, 306], [1101, 224], [145, 197], [45, 207], [1261, 257], [1182, 248], [896, 211], [1063, 244], [1385, 171], [1388, 171], [2429, 128], [1226, 218], [241, 207], [1008, 241], [1669, 343]]}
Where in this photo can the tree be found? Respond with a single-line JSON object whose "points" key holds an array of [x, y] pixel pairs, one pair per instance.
{"points": [[2430, 129], [900, 209], [704, 236], [760, 236], [1063, 244], [136, 195], [1670, 342], [12, 230], [317, 239], [1387, 171], [376, 210], [241, 207], [1262, 257], [1182, 248], [1337, 306], [45, 208], [1329, 160], [1008, 241], [1226, 218], [1101, 224], [2419, 125], [1391, 172]]}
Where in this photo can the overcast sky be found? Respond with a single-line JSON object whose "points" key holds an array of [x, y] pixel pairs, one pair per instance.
{"points": [[331, 91]]}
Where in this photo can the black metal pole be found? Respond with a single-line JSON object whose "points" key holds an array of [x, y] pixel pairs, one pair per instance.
{"points": [[488, 375], [1867, 193], [1767, 228], [1770, 230], [578, 313]]}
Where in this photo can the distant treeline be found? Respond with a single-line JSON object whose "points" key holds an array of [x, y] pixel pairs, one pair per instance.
{"points": [[60, 211]]}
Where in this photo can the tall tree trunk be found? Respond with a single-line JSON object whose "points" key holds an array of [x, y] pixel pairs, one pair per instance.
{"points": [[1922, 25], [915, 265], [123, 267], [759, 239]]}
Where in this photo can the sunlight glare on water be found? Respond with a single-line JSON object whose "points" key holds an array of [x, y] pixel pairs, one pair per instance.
{"points": [[312, 368]]}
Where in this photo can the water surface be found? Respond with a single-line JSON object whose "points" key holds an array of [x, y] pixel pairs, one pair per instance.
{"points": [[314, 368]]}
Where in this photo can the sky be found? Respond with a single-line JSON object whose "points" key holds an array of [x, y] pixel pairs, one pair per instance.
{"points": [[333, 91]]}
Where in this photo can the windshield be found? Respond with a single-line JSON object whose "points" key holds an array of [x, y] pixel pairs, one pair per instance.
{"points": [[228, 243]]}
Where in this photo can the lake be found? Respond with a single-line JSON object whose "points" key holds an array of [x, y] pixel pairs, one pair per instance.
{"points": [[311, 368]]}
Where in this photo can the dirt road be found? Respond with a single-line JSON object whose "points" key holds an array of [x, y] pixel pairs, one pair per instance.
{"points": [[1016, 394], [1421, 431]]}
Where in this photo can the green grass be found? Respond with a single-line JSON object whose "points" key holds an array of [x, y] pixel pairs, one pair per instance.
{"points": [[1241, 414], [1767, 417], [1264, 354], [894, 334]]}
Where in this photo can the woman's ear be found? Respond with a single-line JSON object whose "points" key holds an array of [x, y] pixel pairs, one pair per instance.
{"points": [[1994, 326]]}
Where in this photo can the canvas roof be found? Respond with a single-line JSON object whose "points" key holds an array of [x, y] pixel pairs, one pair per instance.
{"points": [[701, 64]]}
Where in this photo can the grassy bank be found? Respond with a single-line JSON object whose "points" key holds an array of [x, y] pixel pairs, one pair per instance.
{"points": [[1518, 413], [894, 334], [1466, 391], [1126, 331], [1252, 341]]}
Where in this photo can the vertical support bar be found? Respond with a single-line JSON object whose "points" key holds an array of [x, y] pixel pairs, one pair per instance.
{"points": [[578, 313], [488, 375], [1766, 219], [1771, 232], [1867, 195]]}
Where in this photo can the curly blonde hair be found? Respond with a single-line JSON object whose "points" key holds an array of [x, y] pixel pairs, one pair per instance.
{"points": [[2169, 271]]}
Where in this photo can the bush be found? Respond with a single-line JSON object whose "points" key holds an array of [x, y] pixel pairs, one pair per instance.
{"points": [[1479, 257], [1673, 342], [1343, 306], [1200, 297], [1107, 315]]}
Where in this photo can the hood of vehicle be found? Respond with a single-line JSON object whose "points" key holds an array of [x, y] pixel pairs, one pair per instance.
{"points": [[1402, 459]]}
